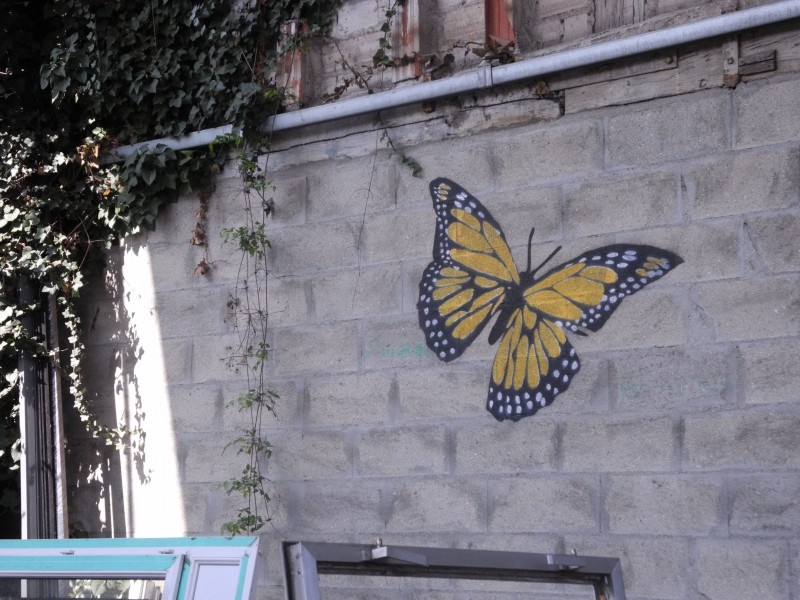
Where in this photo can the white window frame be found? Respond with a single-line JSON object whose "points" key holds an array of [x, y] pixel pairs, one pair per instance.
{"points": [[207, 568]]}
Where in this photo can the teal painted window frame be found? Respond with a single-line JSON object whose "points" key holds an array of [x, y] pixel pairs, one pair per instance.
{"points": [[179, 562]]}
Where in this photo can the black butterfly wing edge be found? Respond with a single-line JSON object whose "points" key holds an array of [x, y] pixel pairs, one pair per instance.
{"points": [[437, 335]]}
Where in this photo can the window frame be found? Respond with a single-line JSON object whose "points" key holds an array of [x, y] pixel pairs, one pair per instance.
{"points": [[179, 562], [304, 561]]}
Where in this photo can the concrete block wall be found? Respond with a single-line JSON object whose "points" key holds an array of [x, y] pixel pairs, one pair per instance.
{"points": [[676, 446]]}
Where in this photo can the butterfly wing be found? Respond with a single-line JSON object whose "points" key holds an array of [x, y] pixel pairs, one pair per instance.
{"points": [[535, 361], [585, 292], [471, 272]]}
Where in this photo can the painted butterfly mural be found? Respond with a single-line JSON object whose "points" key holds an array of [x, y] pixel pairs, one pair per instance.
{"points": [[473, 277]]}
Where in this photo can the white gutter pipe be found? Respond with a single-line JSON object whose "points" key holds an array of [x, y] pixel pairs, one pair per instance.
{"points": [[487, 77], [192, 140]]}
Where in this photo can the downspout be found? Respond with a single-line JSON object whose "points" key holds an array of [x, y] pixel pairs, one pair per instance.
{"points": [[488, 77]]}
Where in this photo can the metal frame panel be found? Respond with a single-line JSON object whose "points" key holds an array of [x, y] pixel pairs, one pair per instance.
{"points": [[305, 561]]}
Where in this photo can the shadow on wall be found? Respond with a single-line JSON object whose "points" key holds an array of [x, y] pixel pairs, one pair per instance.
{"points": [[98, 482]]}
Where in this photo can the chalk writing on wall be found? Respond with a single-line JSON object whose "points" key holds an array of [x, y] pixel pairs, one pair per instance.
{"points": [[473, 277]]}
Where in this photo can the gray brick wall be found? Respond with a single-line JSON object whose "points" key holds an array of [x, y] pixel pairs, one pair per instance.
{"points": [[676, 447]]}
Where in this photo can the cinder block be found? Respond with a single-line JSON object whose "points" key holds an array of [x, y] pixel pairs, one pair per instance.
{"points": [[313, 247], [300, 456], [196, 408], [742, 439], [769, 371], [548, 153], [288, 404], [545, 504], [588, 392], [443, 392], [765, 504], [192, 312], [271, 551], [671, 379], [560, 8], [446, 505], [445, 159], [326, 348], [710, 249], [529, 445], [357, 49], [463, 21], [195, 500], [357, 399], [395, 235], [393, 343], [208, 459], [511, 542], [313, 152], [595, 207], [356, 188], [287, 300], [651, 567], [519, 210], [767, 114], [649, 318], [751, 310], [745, 182], [355, 17], [212, 359], [560, 22], [412, 274], [747, 568], [413, 192], [178, 360], [222, 507], [501, 116], [403, 451], [224, 260], [664, 504], [576, 26], [289, 198], [677, 130], [169, 266], [174, 217], [317, 508], [357, 293], [775, 241], [621, 446]]}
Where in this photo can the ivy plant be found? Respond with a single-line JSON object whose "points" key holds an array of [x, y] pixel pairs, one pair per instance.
{"points": [[80, 76]]}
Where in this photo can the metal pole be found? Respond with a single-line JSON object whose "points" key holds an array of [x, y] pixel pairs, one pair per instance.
{"points": [[38, 467]]}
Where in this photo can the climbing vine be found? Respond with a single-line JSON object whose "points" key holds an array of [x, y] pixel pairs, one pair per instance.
{"points": [[249, 314]]}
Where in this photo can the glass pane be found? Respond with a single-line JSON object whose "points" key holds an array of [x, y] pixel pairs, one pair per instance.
{"points": [[61, 589]]}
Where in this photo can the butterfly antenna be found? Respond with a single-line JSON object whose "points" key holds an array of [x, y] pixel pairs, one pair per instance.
{"points": [[530, 245], [545, 261]]}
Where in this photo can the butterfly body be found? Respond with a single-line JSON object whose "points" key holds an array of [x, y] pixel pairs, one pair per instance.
{"points": [[473, 277]]}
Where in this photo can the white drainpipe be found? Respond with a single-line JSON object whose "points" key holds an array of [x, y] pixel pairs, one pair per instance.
{"points": [[489, 76]]}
